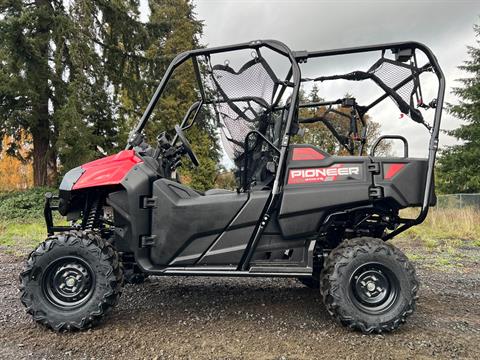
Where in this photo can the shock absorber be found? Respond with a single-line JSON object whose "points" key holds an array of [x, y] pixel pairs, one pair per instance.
{"points": [[94, 212]]}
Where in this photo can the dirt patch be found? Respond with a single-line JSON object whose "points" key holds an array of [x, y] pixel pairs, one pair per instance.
{"points": [[237, 318]]}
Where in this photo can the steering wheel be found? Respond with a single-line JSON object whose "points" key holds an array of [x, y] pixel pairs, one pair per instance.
{"points": [[186, 145]]}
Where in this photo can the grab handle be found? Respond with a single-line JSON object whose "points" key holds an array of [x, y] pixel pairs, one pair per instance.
{"points": [[392, 137]]}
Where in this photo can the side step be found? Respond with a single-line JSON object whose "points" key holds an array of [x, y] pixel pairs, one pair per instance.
{"points": [[266, 271], [281, 270]]}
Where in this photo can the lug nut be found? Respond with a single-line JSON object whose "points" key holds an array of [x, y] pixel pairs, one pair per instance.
{"points": [[371, 286]]}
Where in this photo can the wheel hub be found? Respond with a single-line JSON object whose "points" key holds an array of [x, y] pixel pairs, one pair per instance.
{"points": [[371, 286], [374, 287], [68, 282]]}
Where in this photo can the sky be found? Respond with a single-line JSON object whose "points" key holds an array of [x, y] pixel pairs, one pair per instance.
{"points": [[444, 26]]}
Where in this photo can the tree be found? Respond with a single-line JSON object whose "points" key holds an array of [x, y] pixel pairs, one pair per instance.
{"points": [[25, 74], [313, 96], [54, 85], [174, 29], [16, 174], [103, 58], [458, 167], [75, 76]]}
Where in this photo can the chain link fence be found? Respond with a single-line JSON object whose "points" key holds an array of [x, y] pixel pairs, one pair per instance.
{"points": [[458, 201]]}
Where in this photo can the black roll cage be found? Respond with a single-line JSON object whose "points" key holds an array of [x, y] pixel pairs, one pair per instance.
{"points": [[294, 80], [355, 110]]}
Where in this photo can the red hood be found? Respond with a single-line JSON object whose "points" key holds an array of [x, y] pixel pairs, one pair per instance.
{"points": [[109, 170]]}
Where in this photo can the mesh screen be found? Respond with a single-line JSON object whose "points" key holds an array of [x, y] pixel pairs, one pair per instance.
{"points": [[234, 128], [389, 74], [392, 74], [240, 99], [252, 80]]}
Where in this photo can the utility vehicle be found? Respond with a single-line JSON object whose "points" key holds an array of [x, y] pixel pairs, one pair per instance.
{"points": [[299, 210]]}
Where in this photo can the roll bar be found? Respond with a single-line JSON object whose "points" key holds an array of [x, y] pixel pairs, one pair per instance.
{"points": [[294, 80], [433, 143]]}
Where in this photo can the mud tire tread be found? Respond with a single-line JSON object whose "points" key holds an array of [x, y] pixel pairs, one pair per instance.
{"points": [[333, 276], [106, 256]]}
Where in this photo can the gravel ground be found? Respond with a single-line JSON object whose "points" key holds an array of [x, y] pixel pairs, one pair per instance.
{"points": [[239, 318]]}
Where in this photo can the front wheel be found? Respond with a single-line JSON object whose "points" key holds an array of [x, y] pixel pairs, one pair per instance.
{"points": [[71, 281], [369, 285]]}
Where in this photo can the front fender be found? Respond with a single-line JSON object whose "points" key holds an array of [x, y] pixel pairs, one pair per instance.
{"points": [[110, 170]]}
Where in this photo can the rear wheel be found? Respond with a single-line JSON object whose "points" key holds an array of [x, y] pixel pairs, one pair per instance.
{"points": [[71, 281], [369, 285]]}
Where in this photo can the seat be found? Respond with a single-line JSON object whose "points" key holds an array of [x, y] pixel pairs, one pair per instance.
{"points": [[217, 192]]}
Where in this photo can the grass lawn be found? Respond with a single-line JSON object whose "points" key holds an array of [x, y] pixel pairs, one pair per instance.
{"points": [[19, 238], [444, 238], [445, 224]]}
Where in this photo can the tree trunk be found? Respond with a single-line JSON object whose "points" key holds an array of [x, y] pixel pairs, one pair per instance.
{"points": [[40, 157], [52, 173], [40, 72]]}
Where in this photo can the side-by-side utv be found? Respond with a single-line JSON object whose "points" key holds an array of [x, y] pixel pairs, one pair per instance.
{"points": [[298, 211]]}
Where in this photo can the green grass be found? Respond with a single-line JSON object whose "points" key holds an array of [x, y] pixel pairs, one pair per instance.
{"points": [[22, 206], [443, 239], [18, 238], [450, 227], [444, 262], [21, 220], [415, 257]]}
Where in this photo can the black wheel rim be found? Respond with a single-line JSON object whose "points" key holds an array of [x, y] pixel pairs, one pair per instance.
{"points": [[374, 288], [68, 282]]}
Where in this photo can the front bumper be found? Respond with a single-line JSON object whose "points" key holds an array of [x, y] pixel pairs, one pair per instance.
{"points": [[51, 203]]}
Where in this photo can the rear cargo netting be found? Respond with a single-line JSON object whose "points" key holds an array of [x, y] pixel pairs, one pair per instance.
{"points": [[241, 98], [393, 74], [398, 80]]}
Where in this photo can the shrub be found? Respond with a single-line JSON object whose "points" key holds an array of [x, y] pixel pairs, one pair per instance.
{"points": [[22, 206]]}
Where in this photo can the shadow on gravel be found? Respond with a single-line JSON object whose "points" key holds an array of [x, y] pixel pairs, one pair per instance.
{"points": [[212, 299]]}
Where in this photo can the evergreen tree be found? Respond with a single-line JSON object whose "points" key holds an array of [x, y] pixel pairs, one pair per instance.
{"points": [[76, 76], [100, 44], [458, 169], [53, 83], [26, 76], [173, 29]]}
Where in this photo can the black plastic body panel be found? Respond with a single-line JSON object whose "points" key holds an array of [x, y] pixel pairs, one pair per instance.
{"points": [[225, 247], [407, 186], [183, 215], [193, 250], [118, 200], [304, 208], [305, 205], [228, 248], [134, 221]]}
